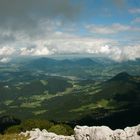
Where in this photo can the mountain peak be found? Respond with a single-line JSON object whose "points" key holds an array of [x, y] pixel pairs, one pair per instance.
{"points": [[121, 76]]}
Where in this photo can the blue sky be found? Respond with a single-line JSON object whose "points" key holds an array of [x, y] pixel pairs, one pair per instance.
{"points": [[108, 28]]}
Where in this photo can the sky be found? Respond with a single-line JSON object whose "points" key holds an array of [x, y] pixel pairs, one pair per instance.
{"points": [[107, 28]]}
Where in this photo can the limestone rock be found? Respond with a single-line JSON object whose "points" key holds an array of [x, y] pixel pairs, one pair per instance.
{"points": [[93, 133], [105, 133], [37, 134], [88, 133]]}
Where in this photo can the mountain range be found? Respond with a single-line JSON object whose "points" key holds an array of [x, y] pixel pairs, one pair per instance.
{"points": [[71, 90]]}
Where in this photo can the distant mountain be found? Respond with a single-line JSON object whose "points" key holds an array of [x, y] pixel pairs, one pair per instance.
{"points": [[123, 85], [121, 76], [48, 63], [41, 63], [83, 68], [122, 96], [86, 62], [78, 67], [132, 62]]}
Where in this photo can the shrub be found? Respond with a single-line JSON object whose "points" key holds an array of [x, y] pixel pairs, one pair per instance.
{"points": [[13, 137], [8, 121], [14, 129], [61, 129], [33, 123]]}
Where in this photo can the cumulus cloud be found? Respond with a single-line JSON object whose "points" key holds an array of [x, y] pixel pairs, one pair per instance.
{"points": [[124, 53], [80, 45], [131, 52], [67, 44], [57, 42], [36, 51], [6, 51], [61, 45], [134, 11], [42, 27], [110, 29], [5, 60], [117, 53]]}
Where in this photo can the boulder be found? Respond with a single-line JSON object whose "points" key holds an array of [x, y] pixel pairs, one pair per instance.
{"points": [[93, 133]]}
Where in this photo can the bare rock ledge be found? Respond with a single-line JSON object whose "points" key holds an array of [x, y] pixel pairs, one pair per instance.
{"points": [[88, 133]]}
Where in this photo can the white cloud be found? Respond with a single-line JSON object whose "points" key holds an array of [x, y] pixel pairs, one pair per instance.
{"points": [[124, 53], [117, 53], [81, 45], [134, 11], [136, 20], [101, 47], [111, 29], [66, 46], [6, 51], [107, 29], [48, 40], [131, 52], [4, 60], [36, 51], [105, 49], [64, 43]]}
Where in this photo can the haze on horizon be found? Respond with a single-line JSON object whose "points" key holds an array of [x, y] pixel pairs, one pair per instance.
{"points": [[109, 28]]}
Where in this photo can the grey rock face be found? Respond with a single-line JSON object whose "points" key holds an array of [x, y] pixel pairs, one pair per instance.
{"points": [[37, 134], [88, 133], [93, 133], [105, 133]]}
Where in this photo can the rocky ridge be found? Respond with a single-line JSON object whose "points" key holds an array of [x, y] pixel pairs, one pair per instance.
{"points": [[88, 133]]}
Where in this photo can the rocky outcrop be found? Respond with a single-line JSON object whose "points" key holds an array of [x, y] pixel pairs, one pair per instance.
{"points": [[105, 133], [37, 134], [89, 133], [93, 133]]}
